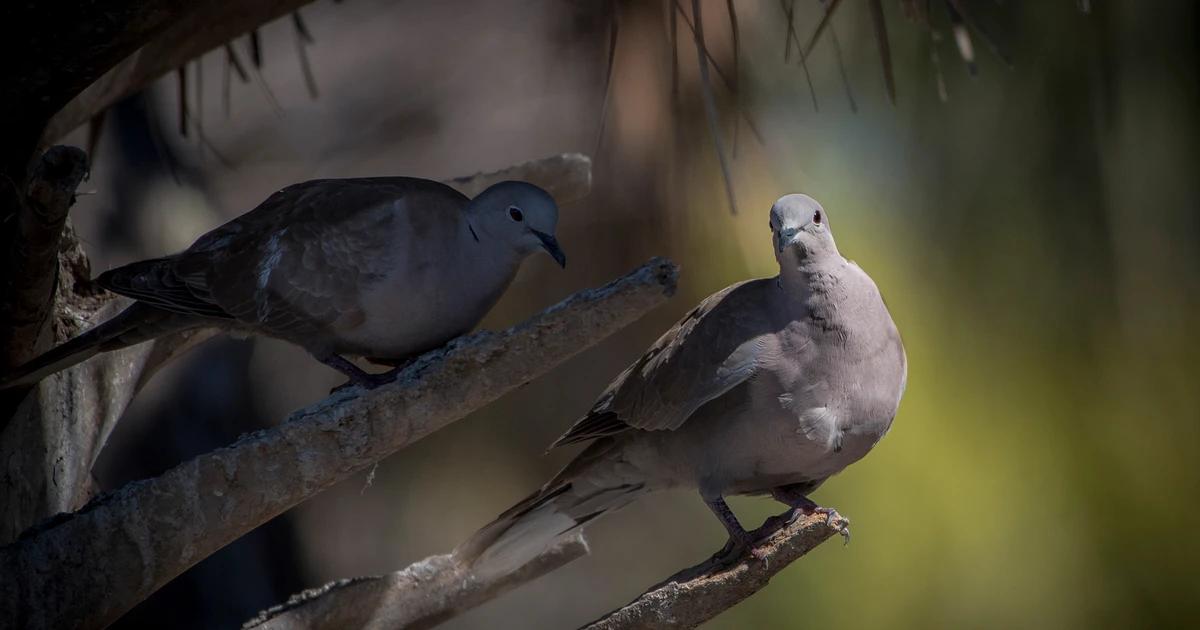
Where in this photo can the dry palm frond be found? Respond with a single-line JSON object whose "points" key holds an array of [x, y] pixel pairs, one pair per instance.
{"points": [[613, 30], [885, 51], [710, 104], [303, 39]]}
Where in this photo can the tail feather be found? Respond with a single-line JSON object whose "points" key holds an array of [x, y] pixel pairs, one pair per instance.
{"points": [[140, 322], [532, 526]]}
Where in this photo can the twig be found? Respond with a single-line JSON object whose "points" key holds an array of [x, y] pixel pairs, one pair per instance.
{"points": [[421, 596], [695, 595], [710, 104], [88, 568]]}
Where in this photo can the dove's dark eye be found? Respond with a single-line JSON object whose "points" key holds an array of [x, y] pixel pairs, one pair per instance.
{"points": [[515, 213], [817, 216]]}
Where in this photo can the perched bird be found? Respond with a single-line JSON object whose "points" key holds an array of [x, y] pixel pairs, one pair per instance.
{"points": [[768, 387], [384, 268]]}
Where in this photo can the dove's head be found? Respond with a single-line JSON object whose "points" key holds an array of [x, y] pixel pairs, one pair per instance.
{"points": [[800, 231], [519, 215]]}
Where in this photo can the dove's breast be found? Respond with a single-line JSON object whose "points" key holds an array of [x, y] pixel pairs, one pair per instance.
{"points": [[431, 292]]}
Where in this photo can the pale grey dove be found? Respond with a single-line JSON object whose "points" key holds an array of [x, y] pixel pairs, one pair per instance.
{"points": [[384, 268], [768, 387]]}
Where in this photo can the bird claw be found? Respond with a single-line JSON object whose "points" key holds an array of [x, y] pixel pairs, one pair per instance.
{"points": [[368, 380], [836, 521]]}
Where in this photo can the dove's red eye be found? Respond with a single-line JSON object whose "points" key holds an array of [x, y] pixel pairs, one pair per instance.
{"points": [[817, 216]]}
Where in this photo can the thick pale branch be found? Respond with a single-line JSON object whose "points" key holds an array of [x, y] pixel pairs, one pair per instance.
{"points": [[53, 435], [693, 596], [567, 177], [421, 596], [87, 568], [205, 26]]}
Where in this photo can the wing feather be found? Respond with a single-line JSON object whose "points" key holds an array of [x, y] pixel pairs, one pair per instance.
{"points": [[714, 348]]}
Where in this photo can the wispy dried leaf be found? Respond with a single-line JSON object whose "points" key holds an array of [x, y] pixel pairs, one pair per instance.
{"points": [[613, 30], [710, 104], [878, 22]]}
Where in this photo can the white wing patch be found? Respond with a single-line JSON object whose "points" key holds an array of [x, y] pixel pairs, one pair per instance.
{"points": [[265, 268], [819, 425]]}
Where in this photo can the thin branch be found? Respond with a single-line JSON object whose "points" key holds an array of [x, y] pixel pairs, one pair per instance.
{"points": [[88, 568], [695, 595], [710, 104], [421, 596]]}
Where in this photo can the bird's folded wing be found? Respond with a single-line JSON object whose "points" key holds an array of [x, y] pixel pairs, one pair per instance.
{"points": [[298, 263], [716, 347]]}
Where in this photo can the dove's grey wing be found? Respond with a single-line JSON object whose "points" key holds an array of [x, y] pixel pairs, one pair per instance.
{"points": [[717, 346], [296, 266]]}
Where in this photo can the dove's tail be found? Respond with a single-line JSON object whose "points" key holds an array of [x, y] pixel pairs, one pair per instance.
{"points": [[140, 322], [532, 526]]}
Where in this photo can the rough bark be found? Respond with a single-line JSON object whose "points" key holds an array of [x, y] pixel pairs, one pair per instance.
{"points": [[32, 255], [86, 569], [421, 596], [51, 437], [695, 595]]}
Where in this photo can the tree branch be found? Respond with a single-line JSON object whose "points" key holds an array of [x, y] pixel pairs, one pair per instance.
{"points": [[567, 177], [32, 257], [86, 569], [421, 596], [695, 595]]}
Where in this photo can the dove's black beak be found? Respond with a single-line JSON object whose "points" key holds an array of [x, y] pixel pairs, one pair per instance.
{"points": [[550, 244]]}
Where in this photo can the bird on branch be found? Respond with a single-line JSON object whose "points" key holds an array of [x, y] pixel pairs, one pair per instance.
{"points": [[384, 268], [768, 387]]}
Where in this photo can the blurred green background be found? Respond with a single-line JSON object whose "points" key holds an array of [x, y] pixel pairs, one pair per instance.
{"points": [[1036, 235]]}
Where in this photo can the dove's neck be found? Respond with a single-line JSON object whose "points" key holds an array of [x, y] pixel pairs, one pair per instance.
{"points": [[812, 283]]}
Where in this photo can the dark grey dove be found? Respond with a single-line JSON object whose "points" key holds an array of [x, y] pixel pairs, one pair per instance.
{"points": [[769, 387], [384, 268]]}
